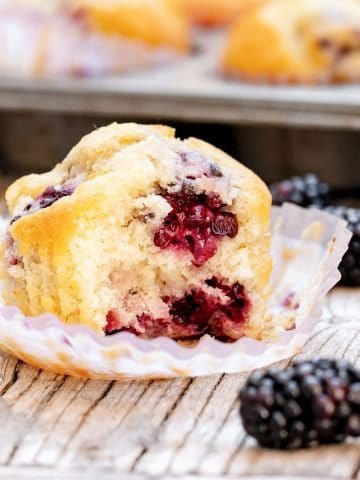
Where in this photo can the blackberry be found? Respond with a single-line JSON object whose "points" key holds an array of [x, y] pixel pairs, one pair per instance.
{"points": [[304, 191], [350, 264], [309, 403], [46, 199]]}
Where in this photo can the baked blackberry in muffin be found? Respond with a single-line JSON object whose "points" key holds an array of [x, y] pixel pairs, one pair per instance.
{"points": [[141, 232], [296, 41]]}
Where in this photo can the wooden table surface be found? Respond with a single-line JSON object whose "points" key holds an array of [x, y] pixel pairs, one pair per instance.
{"points": [[56, 427]]}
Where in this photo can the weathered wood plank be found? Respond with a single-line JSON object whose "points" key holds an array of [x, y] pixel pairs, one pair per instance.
{"points": [[209, 422], [178, 426], [332, 461], [24, 377], [68, 424], [136, 430], [21, 404], [36, 438], [10, 473], [343, 343], [228, 440], [104, 418], [8, 371], [201, 435]]}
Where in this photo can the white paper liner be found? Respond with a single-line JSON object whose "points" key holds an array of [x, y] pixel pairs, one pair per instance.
{"points": [[307, 247]]}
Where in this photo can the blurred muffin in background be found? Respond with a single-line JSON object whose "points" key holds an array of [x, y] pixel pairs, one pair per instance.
{"points": [[86, 38], [295, 41], [154, 22], [212, 13]]}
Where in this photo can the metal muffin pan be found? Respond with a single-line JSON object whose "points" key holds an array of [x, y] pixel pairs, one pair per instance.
{"points": [[188, 89]]}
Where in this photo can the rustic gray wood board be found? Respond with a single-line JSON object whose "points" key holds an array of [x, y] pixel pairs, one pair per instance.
{"points": [[60, 427], [188, 89]]}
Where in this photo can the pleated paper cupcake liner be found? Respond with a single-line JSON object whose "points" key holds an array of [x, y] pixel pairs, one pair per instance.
{"points": [[307, 247]]}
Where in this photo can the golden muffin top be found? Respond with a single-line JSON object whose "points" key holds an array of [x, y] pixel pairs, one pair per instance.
{"points": [[296, 40]]}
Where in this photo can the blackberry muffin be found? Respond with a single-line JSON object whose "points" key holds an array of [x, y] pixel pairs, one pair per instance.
{"points": [[296, 41], [139, 231], [153, 22]]}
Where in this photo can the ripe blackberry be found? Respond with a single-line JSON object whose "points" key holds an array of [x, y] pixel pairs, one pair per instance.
{"points": [[304, 191], [308, 404], [350, 264]]}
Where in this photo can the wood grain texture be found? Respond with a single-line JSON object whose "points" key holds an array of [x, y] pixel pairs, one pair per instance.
{"points": [[34, 473]]}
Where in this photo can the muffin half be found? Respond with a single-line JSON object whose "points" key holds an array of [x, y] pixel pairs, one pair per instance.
{"points": [[139, 231]]}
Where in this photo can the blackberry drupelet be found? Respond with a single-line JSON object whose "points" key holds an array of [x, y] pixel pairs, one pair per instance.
{"points": [[304, 191], [350, 264], [309, 403]]}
